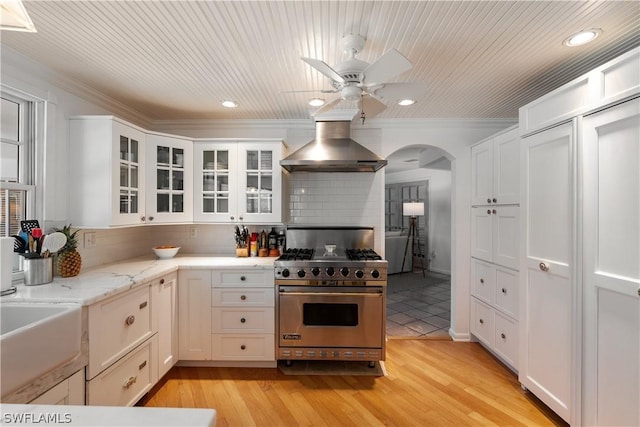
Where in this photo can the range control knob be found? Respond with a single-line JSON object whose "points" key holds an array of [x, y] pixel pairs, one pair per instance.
{"points": [[315, 271], [330, 271], [359, 274], [375, 274], [285, 272], [301, 273], [344, 271]]}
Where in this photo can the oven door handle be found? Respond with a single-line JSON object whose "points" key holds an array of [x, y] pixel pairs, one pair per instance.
{"points": [[333, 294]]}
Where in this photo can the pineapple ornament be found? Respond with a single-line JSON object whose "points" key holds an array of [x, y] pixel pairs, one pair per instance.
{"points": [[69, 260]]}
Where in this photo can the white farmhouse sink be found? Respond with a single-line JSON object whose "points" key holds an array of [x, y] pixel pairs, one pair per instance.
{"points": [[36, 338]]}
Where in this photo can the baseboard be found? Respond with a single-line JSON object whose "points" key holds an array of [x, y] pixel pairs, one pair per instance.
{"points": [[459, 337]]}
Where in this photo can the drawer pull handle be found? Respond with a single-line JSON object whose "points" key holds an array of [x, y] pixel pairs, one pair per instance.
{"points": [[162, 281], [142, 365], [131, 381], [243, 347], [143, 305], [243, 320], [481, 322], [243, 278], [504, 291], [503, 336], [243, 297], [481, 280], [129, 320], [543, 266]]}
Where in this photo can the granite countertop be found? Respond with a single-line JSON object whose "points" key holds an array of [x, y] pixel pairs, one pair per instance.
{"points": [[98, 283]]}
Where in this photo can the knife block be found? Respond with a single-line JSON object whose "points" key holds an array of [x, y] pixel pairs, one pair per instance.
{"points": [[242, 252]]}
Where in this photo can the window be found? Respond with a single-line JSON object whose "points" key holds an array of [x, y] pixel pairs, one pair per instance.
{"points": [[17, 154]]}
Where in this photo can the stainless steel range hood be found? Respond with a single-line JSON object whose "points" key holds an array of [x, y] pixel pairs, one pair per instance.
{"points": [[333, 151]]}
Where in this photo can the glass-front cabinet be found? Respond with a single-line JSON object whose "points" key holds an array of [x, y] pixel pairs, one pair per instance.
{"points": [[238, 181], [169, 179]]}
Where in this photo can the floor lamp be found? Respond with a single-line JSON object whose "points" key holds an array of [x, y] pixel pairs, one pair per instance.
{"points": [[413, 210]]}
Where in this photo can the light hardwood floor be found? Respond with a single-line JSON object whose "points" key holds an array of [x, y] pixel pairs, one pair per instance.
{"points": [[428, 383]]}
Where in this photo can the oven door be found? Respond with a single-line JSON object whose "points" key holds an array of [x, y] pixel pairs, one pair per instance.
{"points": [[321, 316]]}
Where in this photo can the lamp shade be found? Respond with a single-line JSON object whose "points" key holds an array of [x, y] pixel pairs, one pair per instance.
{"points": [[413, 209]]}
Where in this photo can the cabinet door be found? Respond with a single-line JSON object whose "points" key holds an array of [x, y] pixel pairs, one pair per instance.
{"points": [[611, 269], [169, 179], [482, 233], [128, 175], [506, 168], [194, 314], [482, 173], [215, 182], [167, 310], [506, 289], [483, 281], [259, 182], [506, 223], [548, 294]]}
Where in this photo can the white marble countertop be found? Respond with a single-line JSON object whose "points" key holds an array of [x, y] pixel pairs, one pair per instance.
{"points": [[95, 284], [32, 415]]}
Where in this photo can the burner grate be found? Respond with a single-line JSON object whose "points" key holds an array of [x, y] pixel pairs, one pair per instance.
{"points": [[296, 254], [363, 255]]}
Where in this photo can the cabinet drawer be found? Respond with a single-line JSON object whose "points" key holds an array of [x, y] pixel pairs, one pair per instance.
{"points": [[243, 297], [482, 321], [506, 339], [243, 320], [124, 383], [116, 326], [257, 278], [483, 283], [507, 291], [243, 347]]}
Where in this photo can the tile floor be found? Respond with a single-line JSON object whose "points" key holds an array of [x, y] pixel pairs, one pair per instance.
{"points": [[417, 306]]}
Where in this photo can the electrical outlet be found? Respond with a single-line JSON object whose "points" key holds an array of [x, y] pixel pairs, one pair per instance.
{"points": [[193, 232], [89, 240]]}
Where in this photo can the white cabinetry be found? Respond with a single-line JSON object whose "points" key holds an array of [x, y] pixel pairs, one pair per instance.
{"points": [[548, 312], [165, 294], [194, 314], [243, 317], [238, 181], [107, 172], [495, 170], [123, 351], [169, 180], [611, 266], [494, 234], [67, 392]]}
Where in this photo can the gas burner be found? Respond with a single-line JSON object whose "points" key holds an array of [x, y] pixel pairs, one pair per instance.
{"points": [[363, 255], [296, 254]]}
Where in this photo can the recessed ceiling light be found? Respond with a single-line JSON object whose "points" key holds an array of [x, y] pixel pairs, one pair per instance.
{"points": [[405, 102], [582, 37], [316, 102], [229, 104]]}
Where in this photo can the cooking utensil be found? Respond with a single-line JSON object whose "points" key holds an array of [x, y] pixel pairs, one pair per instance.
{"points": [[29, 224], [54, 242], [19, 245]]}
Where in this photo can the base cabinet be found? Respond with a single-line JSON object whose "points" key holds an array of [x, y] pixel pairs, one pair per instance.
{"points": [[68, 392], [194, 314], [165, 291]]}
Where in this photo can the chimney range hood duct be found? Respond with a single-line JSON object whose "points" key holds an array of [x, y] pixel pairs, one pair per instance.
{"points": [[333, 151]]}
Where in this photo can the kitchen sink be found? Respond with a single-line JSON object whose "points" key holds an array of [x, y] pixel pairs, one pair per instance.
{"points": [[36, 338]]}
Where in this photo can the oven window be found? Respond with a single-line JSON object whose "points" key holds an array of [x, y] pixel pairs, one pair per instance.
{"points": [[324, 314]]}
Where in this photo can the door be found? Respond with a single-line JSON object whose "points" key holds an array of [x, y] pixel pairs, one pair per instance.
{"points": [[128, 175], [506, 170], [482, 173], [547, 311], [506, 223], [259, 182], [611, 269], [167, 293], [215, 182], [194, 314], [482, 233]]}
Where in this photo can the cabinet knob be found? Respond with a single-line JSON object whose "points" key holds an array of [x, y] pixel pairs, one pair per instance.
{"points": [[150, 218], [488, 200], [503, 336], [481, 280], [243, 278], [495, 200], [233, 217], [243, 320], [130, 320], [488, 211], [143, 305], [494, 211], [543, 266], [243, 347], [129, 382], [504, 291], [481, 321], [162, 281], [243, 297], [240, 218], [143, 218]]}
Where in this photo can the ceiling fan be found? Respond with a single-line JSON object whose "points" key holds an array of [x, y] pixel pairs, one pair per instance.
{"points": [[364, 83]]}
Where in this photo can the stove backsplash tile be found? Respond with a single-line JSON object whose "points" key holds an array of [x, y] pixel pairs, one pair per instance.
{"points": [[336, 198]]}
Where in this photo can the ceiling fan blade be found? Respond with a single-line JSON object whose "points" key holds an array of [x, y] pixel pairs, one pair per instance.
{"points": [[310, 91], [326, 107], [324, 69], [394, 92], [371, 106], [388, 65]]}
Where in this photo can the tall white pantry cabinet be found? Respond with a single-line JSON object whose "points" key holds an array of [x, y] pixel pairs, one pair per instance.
{"points": [[580, 246]]}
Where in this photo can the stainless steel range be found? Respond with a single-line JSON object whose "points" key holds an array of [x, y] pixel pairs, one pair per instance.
{"points": [[331, 295]]}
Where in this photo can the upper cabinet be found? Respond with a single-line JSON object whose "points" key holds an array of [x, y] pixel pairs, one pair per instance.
{"points": [[169, 179], [106, 173], [495, 170], [238, 181]]}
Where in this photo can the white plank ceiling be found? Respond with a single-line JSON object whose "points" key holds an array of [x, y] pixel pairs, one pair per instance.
{"points": [[172, 60]]}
